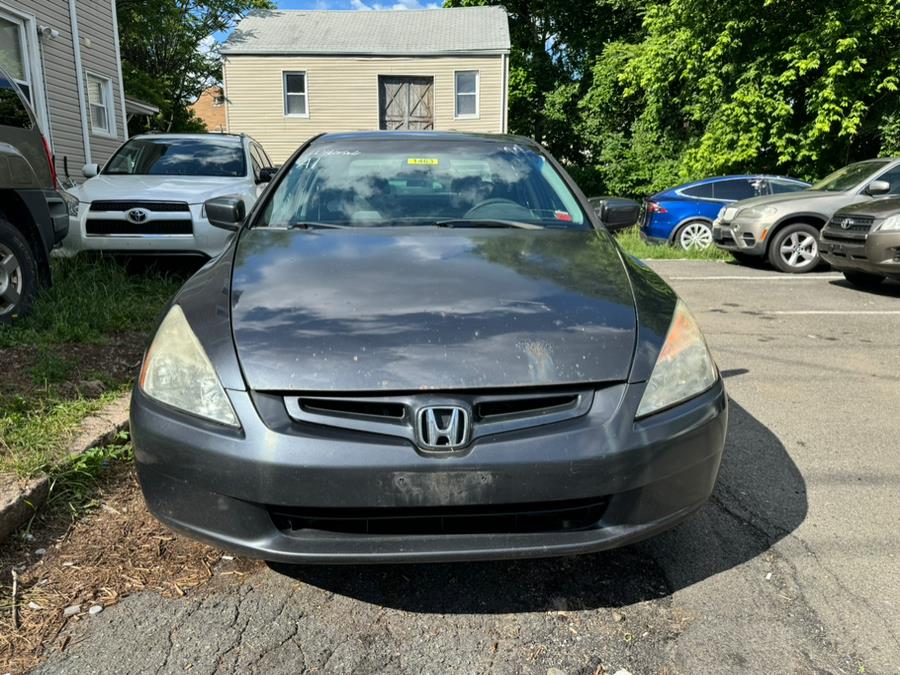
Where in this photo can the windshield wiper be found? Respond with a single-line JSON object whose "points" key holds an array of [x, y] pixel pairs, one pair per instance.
{"points": [[476, 222], [311, 225]]}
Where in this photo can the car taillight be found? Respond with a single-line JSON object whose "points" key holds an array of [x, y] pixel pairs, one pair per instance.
{"points": [[653, 207], [53, 176]]}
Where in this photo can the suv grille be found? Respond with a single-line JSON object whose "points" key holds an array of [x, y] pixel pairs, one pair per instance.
{"points": [[555, 516], [96, 226], [854, 223], [166, 207]]}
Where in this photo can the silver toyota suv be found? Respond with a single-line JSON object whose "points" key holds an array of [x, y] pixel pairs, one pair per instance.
{"points": [[785, 228]]}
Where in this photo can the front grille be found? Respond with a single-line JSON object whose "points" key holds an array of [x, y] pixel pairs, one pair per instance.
{"points": [[161, 207], [393, 415], [95, 226], [854, 223], [555, 516], [844, 236]]}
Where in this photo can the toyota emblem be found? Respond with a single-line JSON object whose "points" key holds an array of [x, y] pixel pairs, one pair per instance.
{"points": [[137, 215]]}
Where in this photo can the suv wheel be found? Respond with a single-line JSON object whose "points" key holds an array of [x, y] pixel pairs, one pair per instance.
{"points": [[695, 235], [863, 280], [795, 248], [18, 273]]}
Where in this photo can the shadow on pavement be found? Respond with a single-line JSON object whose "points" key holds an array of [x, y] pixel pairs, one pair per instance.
{"points": [[760, 497], [890, 288]]}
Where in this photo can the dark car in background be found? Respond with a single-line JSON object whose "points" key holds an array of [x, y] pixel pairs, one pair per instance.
{"points": [[863, 241], [424, 346], [683, 216], [33, 214]]}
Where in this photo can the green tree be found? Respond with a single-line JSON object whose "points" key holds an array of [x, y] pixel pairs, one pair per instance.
{"points": [[169, 55], [784, 86]]}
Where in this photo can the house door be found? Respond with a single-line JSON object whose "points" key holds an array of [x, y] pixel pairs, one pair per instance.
{"points": [[406, 102]]}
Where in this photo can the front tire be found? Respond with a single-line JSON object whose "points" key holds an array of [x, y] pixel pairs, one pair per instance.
{"points": [[863, 280], [18, 273], [695, 235], [795, 249]]}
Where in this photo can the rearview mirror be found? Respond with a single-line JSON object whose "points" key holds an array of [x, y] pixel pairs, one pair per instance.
{"points": [[226, 213], [90, 170], [878, 187], [266, 174]]}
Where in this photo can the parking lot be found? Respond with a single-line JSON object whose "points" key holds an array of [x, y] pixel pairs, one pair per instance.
{"points": [[791, 567]]}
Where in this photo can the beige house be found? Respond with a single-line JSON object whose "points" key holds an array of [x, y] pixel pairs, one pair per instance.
{"points": [[290, 75]]}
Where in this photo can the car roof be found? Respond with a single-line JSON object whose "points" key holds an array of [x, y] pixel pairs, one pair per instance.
{"points": [[232, 137], [441, 136], [717, 179]]}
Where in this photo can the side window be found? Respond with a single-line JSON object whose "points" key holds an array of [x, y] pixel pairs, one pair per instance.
{"points": [[702, 191], [12, 111], [255, 160], [782, 186], [295, 95], [892, 176], [734, 190]]}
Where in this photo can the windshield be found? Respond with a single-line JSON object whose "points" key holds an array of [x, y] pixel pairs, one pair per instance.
{"points": [[850, 176], [416, 182], [179, 157]]}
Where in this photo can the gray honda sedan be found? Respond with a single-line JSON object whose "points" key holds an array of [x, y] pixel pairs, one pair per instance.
{"points": [[422, 347]]}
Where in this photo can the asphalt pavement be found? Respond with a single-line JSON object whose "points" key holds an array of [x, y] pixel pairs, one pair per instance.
{"points": [[792, 567]]}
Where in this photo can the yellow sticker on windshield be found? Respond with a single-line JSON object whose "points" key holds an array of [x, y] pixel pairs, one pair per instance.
{"points": [[422, 161]]}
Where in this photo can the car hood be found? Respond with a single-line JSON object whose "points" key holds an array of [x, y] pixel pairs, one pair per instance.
{"points": [[877, 208], [788, 199], [412, 310], [190, 189]]}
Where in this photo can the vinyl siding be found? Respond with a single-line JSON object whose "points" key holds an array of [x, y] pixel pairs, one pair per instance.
{"points": [[343, 95], [95, 24], [59, 78]]}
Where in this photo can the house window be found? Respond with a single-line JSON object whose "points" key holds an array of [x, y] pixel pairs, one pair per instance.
{"points": [[295, 95], [466, 93], [100, 102], [14, 54]]}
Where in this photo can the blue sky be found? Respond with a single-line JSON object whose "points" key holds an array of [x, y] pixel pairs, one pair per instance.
{"points": [[356, 4]]}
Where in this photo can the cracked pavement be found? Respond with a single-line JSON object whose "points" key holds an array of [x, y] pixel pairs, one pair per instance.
{"points": [[791, 567]]}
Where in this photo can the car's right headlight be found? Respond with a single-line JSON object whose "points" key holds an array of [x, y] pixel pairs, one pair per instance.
{"points": [[684, 367], [758, 212], [178, 372], [890, 224]]}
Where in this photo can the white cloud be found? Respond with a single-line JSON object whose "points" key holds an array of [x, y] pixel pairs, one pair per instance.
{"points": [[362, 5]]}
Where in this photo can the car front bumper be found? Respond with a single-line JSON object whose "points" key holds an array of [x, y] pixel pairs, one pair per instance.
{"points": [[741, 237], [227, 487], [877, 253], [204, 239]]}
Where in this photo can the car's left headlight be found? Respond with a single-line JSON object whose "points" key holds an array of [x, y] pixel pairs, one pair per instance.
{"points": [[890, 224], [684, 367], [178, 372]]}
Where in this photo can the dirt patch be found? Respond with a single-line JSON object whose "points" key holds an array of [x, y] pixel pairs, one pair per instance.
{"points": [[72, 369], [97, 560]]}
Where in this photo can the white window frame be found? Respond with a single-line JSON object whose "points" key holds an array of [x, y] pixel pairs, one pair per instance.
{"points": [[108, 104], [28, 37], [457, 94], [285, 93]]}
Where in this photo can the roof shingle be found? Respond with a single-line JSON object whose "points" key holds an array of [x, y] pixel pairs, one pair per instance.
{"points": [[409, 32]]}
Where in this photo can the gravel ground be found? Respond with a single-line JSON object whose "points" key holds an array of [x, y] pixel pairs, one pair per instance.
{"points": [[790, 568]]}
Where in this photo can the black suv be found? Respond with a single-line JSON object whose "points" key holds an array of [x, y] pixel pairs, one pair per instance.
{"points": [[33, 214]]}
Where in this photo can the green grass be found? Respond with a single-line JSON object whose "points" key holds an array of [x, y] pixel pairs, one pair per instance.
{"points": [[630, 240], [92, 296]]}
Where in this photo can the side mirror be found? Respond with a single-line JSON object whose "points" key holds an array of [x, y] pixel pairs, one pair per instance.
{"points": [[266, 174], [877, 187], [90, 170], [226, 213]]}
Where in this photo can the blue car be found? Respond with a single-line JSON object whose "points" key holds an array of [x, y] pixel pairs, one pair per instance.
{"points": [[683, 215]]}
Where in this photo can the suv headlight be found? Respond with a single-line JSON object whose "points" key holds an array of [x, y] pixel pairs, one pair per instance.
{"points": [[890, 224], [684, 367], [178, 372], [758, 212]]}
